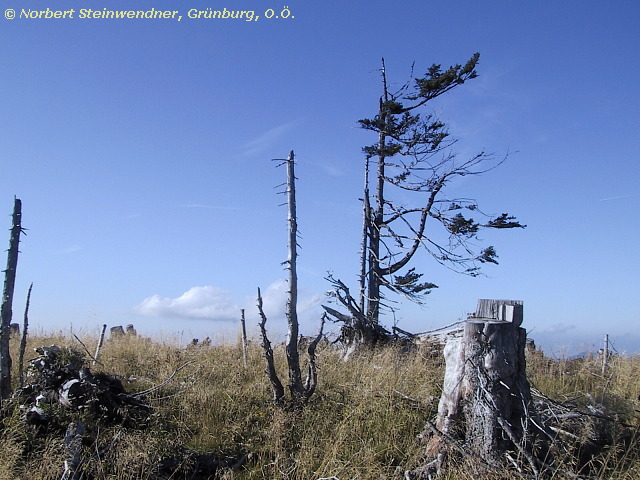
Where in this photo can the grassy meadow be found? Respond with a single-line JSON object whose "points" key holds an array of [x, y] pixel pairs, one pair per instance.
{"points": [[362, 423]]}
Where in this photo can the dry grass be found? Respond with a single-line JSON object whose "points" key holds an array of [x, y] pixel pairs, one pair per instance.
{"points": [[361, 424]]}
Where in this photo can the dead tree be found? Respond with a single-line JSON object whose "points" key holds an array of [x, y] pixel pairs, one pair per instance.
{"points": [[300, 392], [293, 359], [7, 300], [486, 411]]}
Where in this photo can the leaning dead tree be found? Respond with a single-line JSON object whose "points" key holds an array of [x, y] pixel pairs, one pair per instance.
{"points": [[486, 412], [412, 158], [7, 300], [300, 392]]}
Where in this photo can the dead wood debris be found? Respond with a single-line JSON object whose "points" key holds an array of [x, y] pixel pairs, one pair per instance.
{"points": [[61, 382], [578, 431], [65, 398], [582, 429]]}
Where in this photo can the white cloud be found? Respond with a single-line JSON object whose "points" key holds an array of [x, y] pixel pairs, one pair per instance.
{"points": [[206, 302], [213, 303], [274, 300]]}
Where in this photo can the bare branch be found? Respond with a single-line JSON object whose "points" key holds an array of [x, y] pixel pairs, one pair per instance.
{"points": [[312, 371], [270, 368]]}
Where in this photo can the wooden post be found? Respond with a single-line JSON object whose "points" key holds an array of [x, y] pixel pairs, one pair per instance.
{"points": [[7, 300], [100, 342], [244, 338], [605, 353]]}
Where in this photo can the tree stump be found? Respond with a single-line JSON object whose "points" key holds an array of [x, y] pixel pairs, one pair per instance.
{"points": [[485, 409], [116, 332]]}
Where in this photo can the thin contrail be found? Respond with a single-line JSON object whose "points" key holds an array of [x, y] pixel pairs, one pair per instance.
{"points": [[620, 196], [212, 207]]}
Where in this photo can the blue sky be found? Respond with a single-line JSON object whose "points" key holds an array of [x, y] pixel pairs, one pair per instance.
{"points": [[142, 149]]}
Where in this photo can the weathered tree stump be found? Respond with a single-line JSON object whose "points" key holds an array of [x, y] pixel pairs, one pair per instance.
{"points": [[485, 409], [116, 332]]}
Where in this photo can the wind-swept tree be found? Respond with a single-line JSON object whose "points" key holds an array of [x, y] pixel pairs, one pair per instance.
{"points": [[413, 158]]}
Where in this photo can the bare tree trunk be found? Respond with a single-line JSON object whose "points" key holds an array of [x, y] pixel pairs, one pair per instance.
{"points": [[375, 279], [293, 358], [364, 246], [244, 338], [373, 291], [7, 300], [23, 340]]}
